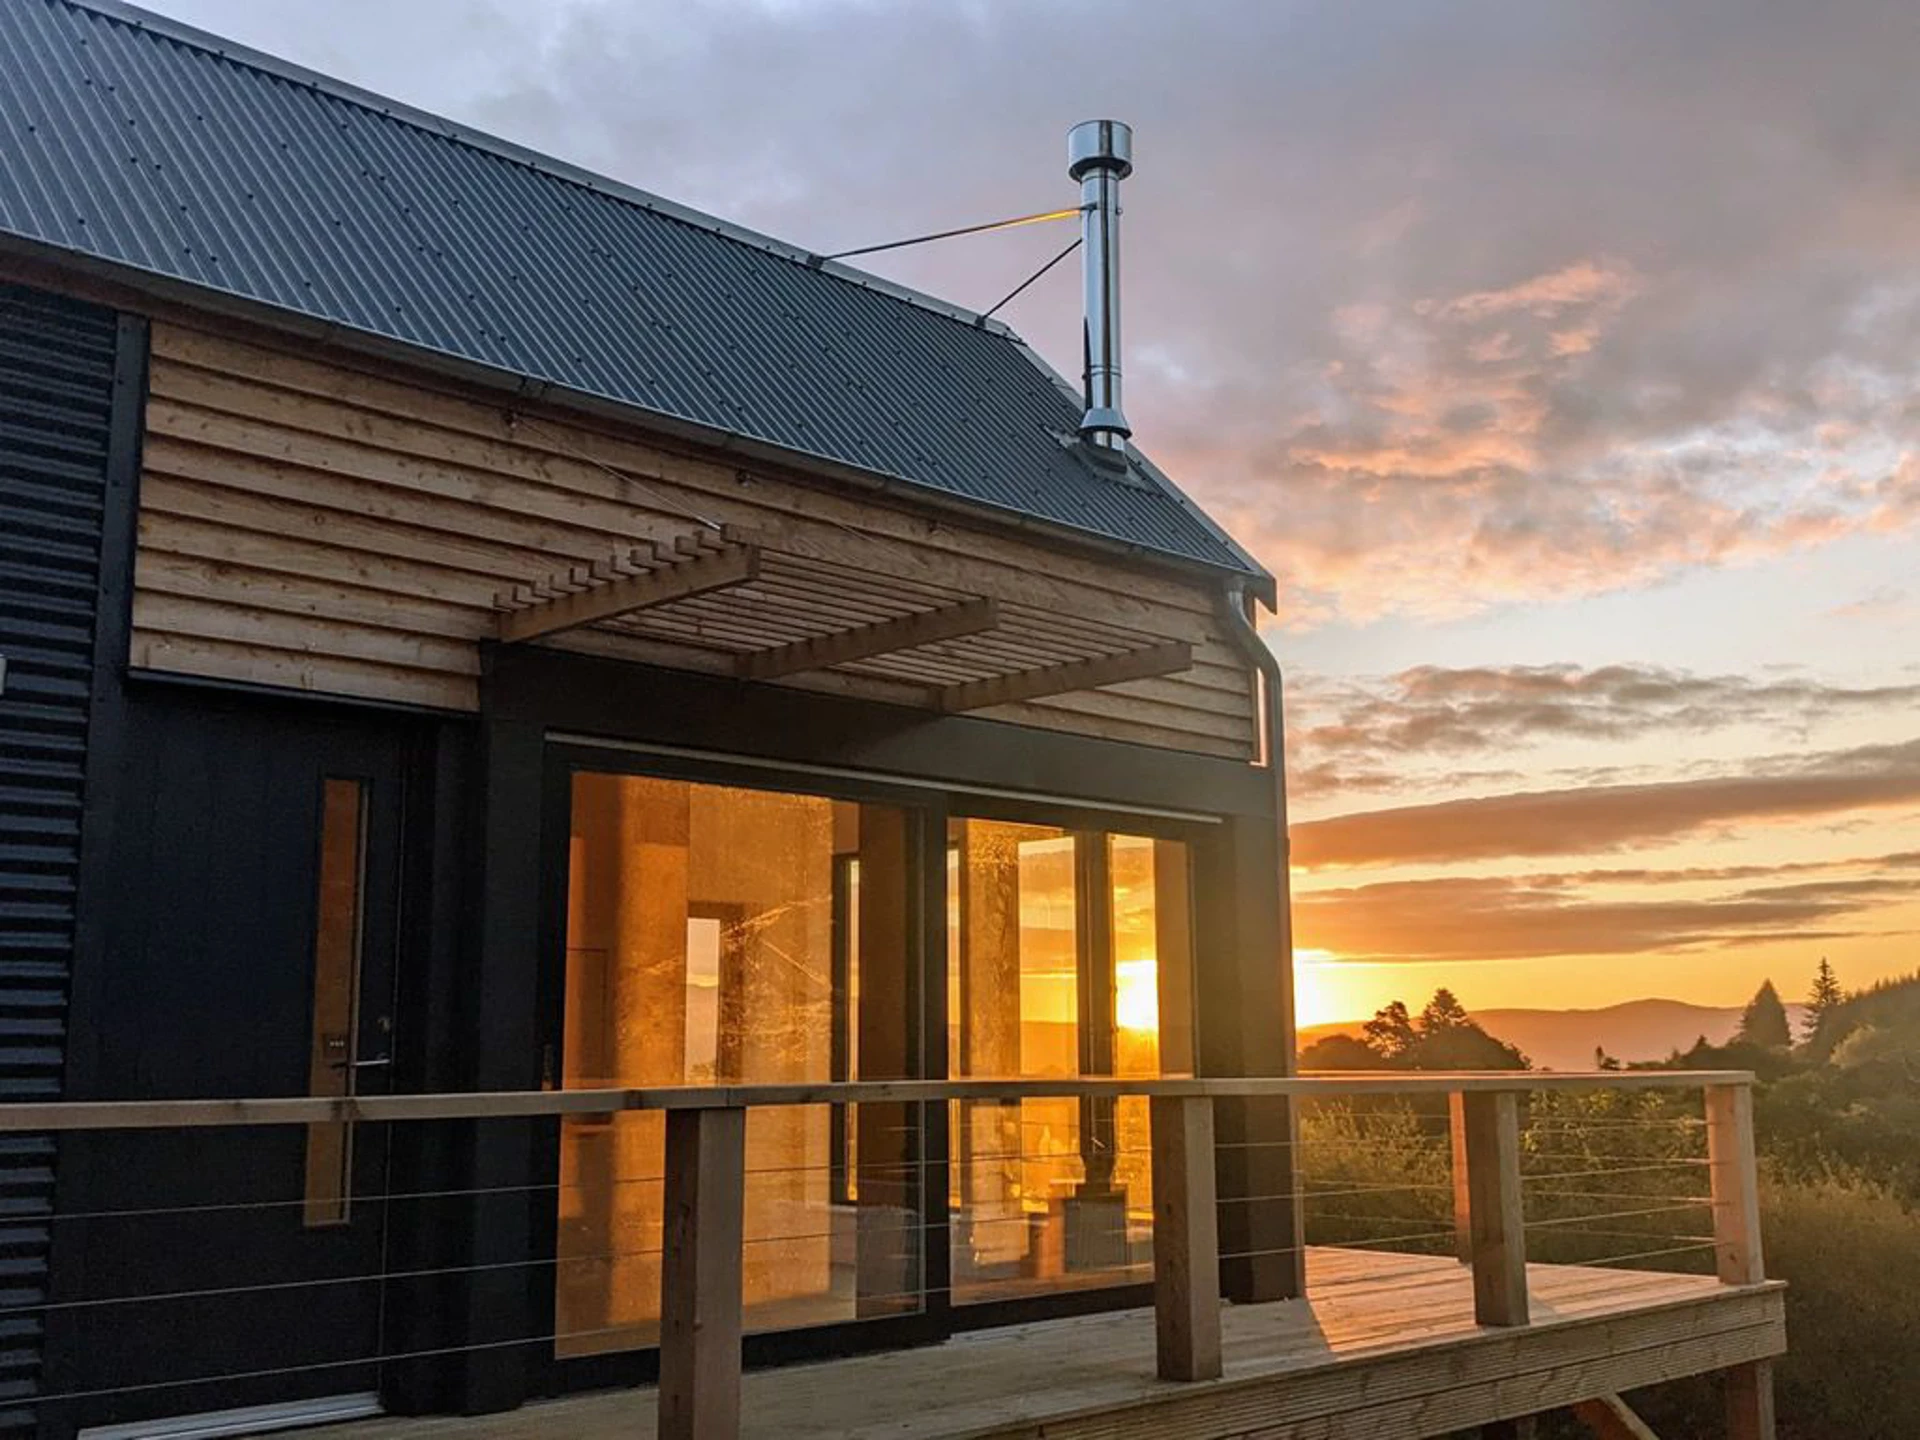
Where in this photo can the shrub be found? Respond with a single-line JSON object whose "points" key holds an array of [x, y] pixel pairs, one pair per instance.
{"points": [[1851, 1254], [1376, 1174]]}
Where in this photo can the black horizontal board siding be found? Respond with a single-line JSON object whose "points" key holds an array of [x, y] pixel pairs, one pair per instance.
{"points": [[56, 400]]}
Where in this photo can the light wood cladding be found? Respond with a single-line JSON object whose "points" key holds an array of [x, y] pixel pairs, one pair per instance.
{"points": [[318, 526]]}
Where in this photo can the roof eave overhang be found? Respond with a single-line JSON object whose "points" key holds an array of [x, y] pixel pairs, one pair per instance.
{"points": [[60, 264]]}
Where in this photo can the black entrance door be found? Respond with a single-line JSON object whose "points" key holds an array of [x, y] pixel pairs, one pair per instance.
{"points": [[252, 937]]}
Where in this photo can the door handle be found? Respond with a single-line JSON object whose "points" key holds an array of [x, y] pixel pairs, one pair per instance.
{"points": [[379, 1062]]}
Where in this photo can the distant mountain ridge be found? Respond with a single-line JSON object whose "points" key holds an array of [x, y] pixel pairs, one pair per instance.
{"points": [[1566, 1039]]}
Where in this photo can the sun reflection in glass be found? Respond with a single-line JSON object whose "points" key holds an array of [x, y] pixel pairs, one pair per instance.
{"points": [[1136, 995]]}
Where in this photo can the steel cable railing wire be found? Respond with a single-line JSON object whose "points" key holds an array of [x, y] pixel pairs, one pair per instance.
{"points": [[1562, 1157], [974, 1222], [638, 1333], [1590, 1180], [551, 1187]]}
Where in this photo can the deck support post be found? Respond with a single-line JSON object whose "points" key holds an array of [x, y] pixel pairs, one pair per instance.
{"points": [[700, 1294], [1749, 1396], [1496, 1220], [1186, 1239], [1736, 1235]]}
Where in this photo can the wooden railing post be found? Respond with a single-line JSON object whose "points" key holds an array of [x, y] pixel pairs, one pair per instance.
{"points": [[1486, 1183], [1495, 1216], [1462, 1197], [700, 1295], [1736, 1193], [1738, 1257], [1186, 1239]]}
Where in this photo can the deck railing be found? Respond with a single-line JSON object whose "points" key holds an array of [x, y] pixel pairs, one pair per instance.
{"points": [[705, 1180]]}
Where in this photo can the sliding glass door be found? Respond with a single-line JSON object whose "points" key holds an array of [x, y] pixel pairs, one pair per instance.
{"points": [[720, 935], [733, 934], [1069, 953]]}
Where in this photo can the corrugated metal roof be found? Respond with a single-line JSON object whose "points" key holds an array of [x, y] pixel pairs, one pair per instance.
{"points": [[132, 140]]}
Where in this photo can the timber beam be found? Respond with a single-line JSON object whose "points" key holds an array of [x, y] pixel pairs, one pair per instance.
{"points": [[1611, 1418], [638, 578], [1143, 664], [947, 622]]}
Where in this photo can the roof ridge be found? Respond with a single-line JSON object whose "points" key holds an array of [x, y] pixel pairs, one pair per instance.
{"points": [[122, 12]]}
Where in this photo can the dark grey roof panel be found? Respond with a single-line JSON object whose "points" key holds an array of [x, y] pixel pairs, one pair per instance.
{"points": [[130, 140]]}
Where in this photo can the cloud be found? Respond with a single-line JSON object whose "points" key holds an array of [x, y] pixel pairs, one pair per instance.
{"points": [[1442, 308], [1339, 729], [1616, 817], [1416, 732], [1696, 874], [1469, 919], [1580, 287], [1885, 604], [1321, 779]]}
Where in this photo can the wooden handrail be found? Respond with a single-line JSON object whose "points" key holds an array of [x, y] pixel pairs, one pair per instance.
{"points": [[60, 1115]]}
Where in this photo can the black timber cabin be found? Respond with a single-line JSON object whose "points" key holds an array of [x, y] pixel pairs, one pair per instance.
{"points": [[471, 626]]}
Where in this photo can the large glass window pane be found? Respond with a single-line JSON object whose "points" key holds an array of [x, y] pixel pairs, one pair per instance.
{"points": [[714, 935], [1068, 954]]}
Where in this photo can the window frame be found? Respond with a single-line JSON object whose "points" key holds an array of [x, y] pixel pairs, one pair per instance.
{"points": [[928, 806]]}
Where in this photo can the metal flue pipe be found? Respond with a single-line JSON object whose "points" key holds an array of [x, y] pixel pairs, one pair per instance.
{"points": [[1100, 156]]}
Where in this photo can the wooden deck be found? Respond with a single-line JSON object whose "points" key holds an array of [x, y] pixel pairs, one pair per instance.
{"points": [[1384, 1346]]}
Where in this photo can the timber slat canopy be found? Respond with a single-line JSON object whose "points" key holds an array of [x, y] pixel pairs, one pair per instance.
{"points": [[776, 613]]}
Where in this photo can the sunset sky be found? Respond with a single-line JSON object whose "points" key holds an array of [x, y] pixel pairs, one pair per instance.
{"points": [[1560, 359]]}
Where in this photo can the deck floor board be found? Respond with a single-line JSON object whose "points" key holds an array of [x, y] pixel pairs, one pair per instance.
{"points": [[1385, 1336]]}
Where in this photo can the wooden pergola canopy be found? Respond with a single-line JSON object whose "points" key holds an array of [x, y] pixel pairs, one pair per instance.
{"points": [[778, 613]]}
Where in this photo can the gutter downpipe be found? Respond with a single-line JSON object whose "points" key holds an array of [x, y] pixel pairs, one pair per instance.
{"points": [[1233, 605]]}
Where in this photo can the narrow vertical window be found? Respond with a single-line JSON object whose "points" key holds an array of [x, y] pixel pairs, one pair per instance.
{"points": [[337, 933]]}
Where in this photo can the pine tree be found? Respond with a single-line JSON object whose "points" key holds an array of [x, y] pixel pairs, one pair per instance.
{"points": [[1443, 1012], [1764, 1021], [1821, 1000]]}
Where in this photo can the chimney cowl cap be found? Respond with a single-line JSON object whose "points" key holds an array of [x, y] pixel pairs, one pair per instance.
{"points": [[1100, 145]]}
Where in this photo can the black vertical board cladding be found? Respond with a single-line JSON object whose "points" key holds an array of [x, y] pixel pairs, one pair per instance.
{"points": [[72, 383], [423, 1234], [1240, 983], [503, 1028]]}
